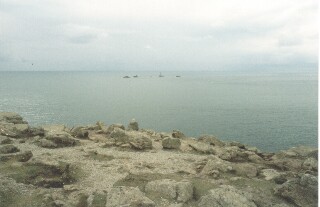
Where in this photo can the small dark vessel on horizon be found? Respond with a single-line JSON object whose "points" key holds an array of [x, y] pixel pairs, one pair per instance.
{"points": [[160, 75], [126, 76], [135, 76], [178, 76]]}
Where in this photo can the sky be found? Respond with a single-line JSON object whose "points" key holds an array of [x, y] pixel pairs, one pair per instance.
{"points": [[158, 35]]}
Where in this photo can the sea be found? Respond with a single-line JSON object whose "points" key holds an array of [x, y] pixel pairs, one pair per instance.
{"points": [[270, 110]]}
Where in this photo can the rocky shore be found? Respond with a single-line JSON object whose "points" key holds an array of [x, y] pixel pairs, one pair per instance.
{"points": [[116, 165]]}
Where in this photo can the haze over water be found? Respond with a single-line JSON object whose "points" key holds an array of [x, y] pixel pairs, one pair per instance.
{"points": [[272, 111]]}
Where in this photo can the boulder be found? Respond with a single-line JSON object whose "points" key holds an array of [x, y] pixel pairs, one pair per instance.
{"points": [[137, 140], [141, 142], [14, 130], [169, 189], [61, 140], [269, 174], [127, 196], [226, 196], [171, 143], [36, 131], [47, 173], [11, 117], [177, 134], [19, 156], [202, 147], [80, 132], [232, 154], [6, 149], [301, 191], [211, 140], [133, 125], [119, 135], [216, 164], [5, 140], [310, 164], [47, 144], [295, 159], [245, 170]]}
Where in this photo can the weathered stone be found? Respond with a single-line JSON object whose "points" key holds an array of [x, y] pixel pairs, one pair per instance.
{"points": [[19, 156], [133, 125], [6, 149], [216, 164], [301, 191], [202, 147], [310, 164], [127, 196], [184, 191], [36, 131], [5, 140], [80, 132], [119, 135], [62, 140], [14, 130], [245, 169], [11, 117], [211, 140], [171, 143], [233, 154], [226, 196], [177, 134], [169, 189], [164, 135], [141, 142], [47, 144], [237, 144], [162, 188], [97, 199], [269, 174]]}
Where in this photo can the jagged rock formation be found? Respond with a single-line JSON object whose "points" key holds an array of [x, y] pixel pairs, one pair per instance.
{"points": [[109, 166]]}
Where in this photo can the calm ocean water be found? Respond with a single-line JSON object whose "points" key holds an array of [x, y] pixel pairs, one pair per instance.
{"points": [[272, 111]]}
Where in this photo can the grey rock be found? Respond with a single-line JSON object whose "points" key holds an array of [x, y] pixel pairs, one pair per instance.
{"points": [[226, 196], [269, 174], [302, 191], [19, 156], [184, 191], [47, 144], [11, 117], [202, 147], [5, 140], [245, 170], [211, 140], [169, 189], [14, 130], [80, 132], [62, 140], [310, 164], [141, 142], [133, 125], [216, 164], [6, 149], [171, 143], [119, 135], [178, 134], [127, 196], [36, 131]]}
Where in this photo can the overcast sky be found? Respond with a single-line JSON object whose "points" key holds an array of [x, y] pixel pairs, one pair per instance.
{"points": [[158, 35]]}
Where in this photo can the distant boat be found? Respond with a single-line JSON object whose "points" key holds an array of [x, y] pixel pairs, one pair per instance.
{"points": [[135, 76], [178, 76], [126, 76], [160, 75]]}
